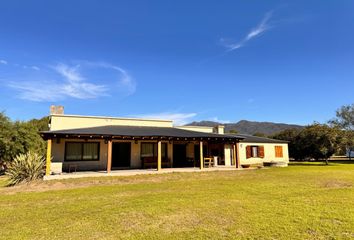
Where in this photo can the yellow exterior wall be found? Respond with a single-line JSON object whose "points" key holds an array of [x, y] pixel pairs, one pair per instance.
{"points": [[197, 128], [269, 153], [60, 122], [227, 154]]}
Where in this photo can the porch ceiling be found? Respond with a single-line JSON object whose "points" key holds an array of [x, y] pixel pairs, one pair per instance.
{"points": [[134, 132]]}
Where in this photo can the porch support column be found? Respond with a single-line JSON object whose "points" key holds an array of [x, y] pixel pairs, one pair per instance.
{"points": [[109, 156], [237, 154], [159, 156], [49, 157], [201, 155]]}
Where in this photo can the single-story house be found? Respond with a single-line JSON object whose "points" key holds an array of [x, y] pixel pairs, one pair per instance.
{"points": [[93, 143]]}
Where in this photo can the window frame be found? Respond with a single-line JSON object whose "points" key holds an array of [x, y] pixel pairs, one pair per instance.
{"points": [[82, 152], [256, 147]]}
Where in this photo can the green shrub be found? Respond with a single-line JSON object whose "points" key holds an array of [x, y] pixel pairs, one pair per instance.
{"points": [[26, 168]]}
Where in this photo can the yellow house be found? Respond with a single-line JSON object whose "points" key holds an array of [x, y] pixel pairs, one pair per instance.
{"points": [[93, 143]]}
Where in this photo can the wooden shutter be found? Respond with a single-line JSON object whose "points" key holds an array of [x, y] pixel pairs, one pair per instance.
{"points": [[248, 152], [261, 151], [278, 151]]}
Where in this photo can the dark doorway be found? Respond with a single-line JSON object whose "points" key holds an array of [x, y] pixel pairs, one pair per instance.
{"points": [[121, 155], [180, 155]]}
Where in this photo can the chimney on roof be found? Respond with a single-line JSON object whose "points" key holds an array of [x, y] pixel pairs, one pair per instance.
{"points": [[56, 110], [219, 129]]}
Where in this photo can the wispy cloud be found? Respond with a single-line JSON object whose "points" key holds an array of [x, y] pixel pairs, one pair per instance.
{"points": [[71, 73], [216, 119], [29, 67], [126, 82], [72, 81], [35, 68], [2, 61], [261, 28], [177, 118]]}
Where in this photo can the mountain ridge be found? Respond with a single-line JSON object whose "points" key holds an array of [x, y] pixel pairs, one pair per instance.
{"points": [[249, 127]]}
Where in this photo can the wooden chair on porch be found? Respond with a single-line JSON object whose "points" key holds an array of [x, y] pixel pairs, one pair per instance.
{"points": [[208, 162]]}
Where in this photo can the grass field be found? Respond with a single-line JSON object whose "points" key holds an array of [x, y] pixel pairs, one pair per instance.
{"points": [[303, 201]]}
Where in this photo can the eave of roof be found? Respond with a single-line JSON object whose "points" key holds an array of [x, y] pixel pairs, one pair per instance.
{"points": [[135, 132], [255, 139]]}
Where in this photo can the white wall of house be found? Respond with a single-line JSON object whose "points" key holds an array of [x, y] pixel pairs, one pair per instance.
{"points": [[60, 122], [228, 154], [204, 129], [269, 153]]}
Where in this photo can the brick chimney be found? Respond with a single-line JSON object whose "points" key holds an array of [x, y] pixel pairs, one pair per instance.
{"points": [[56, 110]]}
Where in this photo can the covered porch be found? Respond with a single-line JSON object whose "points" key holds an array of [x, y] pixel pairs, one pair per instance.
{"points": [[126, 148]]}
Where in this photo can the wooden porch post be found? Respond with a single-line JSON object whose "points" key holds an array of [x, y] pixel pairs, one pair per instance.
{"points": [[237, 155], [49, 157], [159, 155], [234, 157], [201, 155], [109, 156]]}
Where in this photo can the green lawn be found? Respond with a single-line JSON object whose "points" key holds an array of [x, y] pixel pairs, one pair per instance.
{"points": [[303, 201]]}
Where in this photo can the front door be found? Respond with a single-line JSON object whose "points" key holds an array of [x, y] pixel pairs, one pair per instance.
{"points": [[180, 155], [121, 155]]}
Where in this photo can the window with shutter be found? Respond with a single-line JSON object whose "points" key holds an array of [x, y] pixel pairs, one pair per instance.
{"points": [[261, 151], [248, 152], [278, 151]]}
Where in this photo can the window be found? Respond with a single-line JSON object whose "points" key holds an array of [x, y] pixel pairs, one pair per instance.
{"points": [[147, 150], [278, 151], [254, 151], [82, 151], [150, 150]]}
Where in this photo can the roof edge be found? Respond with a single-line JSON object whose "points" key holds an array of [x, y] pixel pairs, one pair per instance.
{"points": [[106, 117]]}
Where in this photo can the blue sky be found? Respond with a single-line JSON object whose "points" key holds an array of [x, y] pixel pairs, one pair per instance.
{"points": [[185, 60]]}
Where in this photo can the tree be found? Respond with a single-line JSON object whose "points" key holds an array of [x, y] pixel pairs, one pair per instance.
{"points": [[345, 117], [291, 136], [319, 141], [316, 141], [20, 137], [6, 138], [345, 120]]}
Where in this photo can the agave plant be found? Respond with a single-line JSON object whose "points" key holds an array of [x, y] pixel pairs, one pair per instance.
{"points": [[25, 168]]}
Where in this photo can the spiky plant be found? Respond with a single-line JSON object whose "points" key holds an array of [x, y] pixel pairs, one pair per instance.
{"points": [[25, 168]]}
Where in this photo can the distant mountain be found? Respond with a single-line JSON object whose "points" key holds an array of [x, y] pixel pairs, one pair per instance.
{"points": [[249, 127]]}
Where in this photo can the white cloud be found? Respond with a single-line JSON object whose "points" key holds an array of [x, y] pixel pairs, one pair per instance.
{"points": [[69, 81], [70, 73], [126, 82], [2, 61], [216, 119], [177, 118], [38, 91], [29, 67], [262, 27], [35, 68]]}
